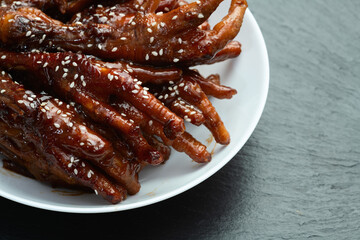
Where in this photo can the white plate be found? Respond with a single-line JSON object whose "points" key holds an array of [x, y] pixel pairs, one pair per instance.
{"points": [[249, 74]]}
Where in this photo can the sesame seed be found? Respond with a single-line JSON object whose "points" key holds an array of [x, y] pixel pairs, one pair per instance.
{"points": [[96, 192], [175, 60], [114, 49], [130, 69], [30, 99], [132, 121], [154, 53], [76, 76], [172, 94], [43, 110], [82, 77], [70, 165], [74, 64], [123, 114], [75, 171], [181, 84], [198, 2], [187, 119], [180, 40], [28, 33], [161, 51], [89, 45], [170, 88], [57, 125], [20, 101], [99, 46], [82, 144], [162, 24], [83, 164], [2, 91], [70, 124], [47, 108], [201, 15], [160, 97], [153, 24], [152, 39], [56, 68], [123, 38], [166, 96], [174, 17], [135, 91], [192, 113], [181, 51], [149, 30], [72, 85], [110, 77], [186, 87], [150, 122], [3, 57], [166, 9], [64, 75], [58, 111], [137, 86], [159, 13], [65, 70], [171, 82], [67, 58], [84, 84], [176, 104], [133, 23], [187, 110], [45, 64], [147, 57]]}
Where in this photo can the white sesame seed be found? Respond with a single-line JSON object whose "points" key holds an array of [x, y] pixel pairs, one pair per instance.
{"points": [[70, 165], [76, 76], [28, 33], [187, 119], [82, 144], [74, 64], [130, 69], [181, 51], [174, 17], [45, 64], [30, 99], [114, 49], [3, 57], [84, 84], [83, 164], [152, 39], [153, 24], [198, 2], [201, 15], [123, 114], [67, 58], [20, 101], [180, 40], [147, 57], [159, 13], [96, 192], [47, 108], [64, 75], [166, 9], [175, 60], [65, 70], [162, 24], [171, 82], [89, 45], [160, 97], [146, 97], [43, 110], [56, 68], [137, 86], [58, 111], [72, 85], [132, 121], [181, 84], [110, 77], [170, 88], [57, 125], [133, 23], [135, 91], [176, 104], [123, 38], [154, 53], [70, 124], [186, 87], [187, 110], [149, 30], [82, 77], [161, 51], [75, 171], [192, 113], [150, 122], [166, 96]]}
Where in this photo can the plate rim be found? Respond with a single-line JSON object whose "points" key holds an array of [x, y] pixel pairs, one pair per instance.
{"points": [[191, 184]]}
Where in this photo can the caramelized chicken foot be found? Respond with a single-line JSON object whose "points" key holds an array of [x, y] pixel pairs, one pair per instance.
{"points": [[54, 144], [169, 38]]}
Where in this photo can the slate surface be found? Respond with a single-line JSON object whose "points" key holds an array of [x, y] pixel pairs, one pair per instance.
{"points": [[298, 177]]}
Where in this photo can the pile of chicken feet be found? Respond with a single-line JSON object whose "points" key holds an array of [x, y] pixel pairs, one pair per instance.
{"points": [[93, 91]]}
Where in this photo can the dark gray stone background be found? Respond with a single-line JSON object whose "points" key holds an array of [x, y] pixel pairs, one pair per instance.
{"points": [[297, 177]]}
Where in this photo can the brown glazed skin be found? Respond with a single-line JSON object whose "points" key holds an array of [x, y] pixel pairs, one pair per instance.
{"points": [[160, 39], [67, 149]]}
